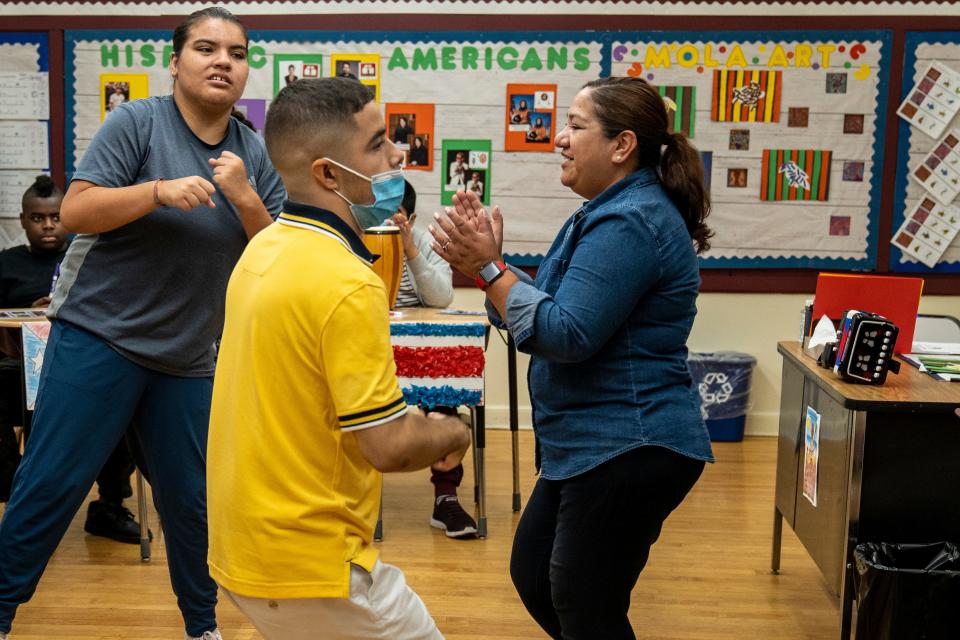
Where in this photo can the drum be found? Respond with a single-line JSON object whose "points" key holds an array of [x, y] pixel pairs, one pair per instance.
{"points": [[385, 242]]}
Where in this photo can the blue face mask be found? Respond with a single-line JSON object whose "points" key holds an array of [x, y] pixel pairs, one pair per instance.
{"points": [[387, 189]]}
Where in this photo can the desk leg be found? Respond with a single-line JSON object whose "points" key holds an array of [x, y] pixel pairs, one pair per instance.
{"points": [[858, 429], [479, 447], [777, 535], [514, 419], [378, 531], [144, 524]]}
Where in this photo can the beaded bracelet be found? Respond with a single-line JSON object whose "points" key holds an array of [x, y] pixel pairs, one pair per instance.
{"points": [[156, 191]]}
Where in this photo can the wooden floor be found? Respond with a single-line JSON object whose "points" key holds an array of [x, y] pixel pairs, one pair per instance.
{"points": [[708, 576]]}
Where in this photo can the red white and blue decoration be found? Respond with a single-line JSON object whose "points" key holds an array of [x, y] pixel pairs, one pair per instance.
{"points": [[439, 364]]}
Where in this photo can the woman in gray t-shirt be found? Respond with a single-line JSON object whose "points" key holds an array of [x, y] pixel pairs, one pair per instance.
{"points": [[164, 201]]}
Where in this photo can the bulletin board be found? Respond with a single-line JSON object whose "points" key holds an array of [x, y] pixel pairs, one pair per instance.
{"points": [[24, 124], [463, 76], [788, 128], [914, 147]]}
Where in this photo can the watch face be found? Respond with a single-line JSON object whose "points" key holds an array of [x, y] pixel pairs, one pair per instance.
{"points": [[490, 271]]}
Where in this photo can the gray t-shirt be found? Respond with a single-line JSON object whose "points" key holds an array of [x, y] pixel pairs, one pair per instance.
{"points": [[154, 289]]}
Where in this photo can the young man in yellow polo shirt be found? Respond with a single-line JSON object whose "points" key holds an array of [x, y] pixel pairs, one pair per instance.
{"points": [[307, 410]]}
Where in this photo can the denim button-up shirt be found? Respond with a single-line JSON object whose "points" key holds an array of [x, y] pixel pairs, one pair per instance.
{"points": [[606, 323]]}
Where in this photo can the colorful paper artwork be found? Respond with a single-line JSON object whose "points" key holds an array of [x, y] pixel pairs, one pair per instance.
{"points": [[839, 225], [466, 166], [737, 178], [927, 232], [740, 139], [795, 174], [254, 110], [934, 101], [290, 67], [681, 108], [811, 455], [364, 67], [853, 123], [798, 116], [746, 96], [940, 171], [117, 88], [530, 117], [836, 83], [410, 127], [852, 171], [34, 337], [706, 158]]}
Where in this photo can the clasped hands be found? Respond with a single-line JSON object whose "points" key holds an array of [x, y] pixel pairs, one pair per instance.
{"points": [[466, 236], [190, 192]]}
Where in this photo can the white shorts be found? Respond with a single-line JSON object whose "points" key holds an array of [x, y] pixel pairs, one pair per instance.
{"points": [[381, 606]]}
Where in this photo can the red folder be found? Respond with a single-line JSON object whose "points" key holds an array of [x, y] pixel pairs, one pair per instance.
{"points": [[896, 299]]}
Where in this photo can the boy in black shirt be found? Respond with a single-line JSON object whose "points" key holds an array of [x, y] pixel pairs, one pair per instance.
{"points": [[26, 274]]}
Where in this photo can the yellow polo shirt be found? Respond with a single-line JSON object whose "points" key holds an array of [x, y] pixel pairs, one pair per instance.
{"points": [[305, 360]]}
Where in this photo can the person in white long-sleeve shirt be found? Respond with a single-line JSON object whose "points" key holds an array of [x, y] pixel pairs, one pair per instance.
{"points": [[427, 281]]}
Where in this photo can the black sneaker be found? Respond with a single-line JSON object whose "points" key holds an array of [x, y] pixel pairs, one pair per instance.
{"points": [[450, 516], [112, 521]]}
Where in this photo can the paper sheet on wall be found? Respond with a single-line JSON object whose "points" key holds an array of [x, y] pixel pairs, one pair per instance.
{"points": [[927, 232], [934, 100], [12, 186], [921, 145], [19, 57], [24, 96], [811, 455], [23, 145]]}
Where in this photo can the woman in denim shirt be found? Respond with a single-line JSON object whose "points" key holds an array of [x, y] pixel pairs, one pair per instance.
{"points": [[617, 418]]}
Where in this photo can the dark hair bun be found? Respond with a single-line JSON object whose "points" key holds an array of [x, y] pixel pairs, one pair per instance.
{"points": [[43, 186]]}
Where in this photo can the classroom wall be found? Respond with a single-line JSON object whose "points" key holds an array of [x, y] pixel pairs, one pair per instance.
{"points": [[751, 323]]}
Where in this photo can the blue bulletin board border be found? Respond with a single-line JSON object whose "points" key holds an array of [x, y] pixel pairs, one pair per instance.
{"points": [[913, 40], [605, 40]]}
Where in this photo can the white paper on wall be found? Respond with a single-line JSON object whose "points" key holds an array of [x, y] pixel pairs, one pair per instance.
{"points": [[23, 144], [13, 184], [19, 57], [24, 96]]}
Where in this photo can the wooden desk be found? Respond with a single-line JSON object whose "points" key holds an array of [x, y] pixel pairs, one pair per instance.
{"points": [[889, 465]]}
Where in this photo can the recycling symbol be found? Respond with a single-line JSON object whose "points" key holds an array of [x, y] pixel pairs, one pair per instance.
{"points": [[715, 389]]}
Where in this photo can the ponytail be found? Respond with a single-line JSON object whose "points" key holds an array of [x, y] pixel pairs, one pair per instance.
{"points": [[681, 174]]}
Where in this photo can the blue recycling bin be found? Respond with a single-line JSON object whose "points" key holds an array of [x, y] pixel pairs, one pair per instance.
{"points": [[723, 380]]}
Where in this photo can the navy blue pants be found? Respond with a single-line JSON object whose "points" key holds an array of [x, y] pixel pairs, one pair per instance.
{"points": [[88, 396], [582, 542]]}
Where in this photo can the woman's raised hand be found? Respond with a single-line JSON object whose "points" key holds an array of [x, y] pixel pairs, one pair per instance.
{"points": [[231, 176], [464, 236], [186, 193]]}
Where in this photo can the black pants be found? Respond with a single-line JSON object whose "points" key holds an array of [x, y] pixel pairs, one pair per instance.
{"points": [[582, 542], [113, 482]]}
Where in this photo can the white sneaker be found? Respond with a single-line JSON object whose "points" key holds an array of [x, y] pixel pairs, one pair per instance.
{"points": [[4, 636], [207, 635]]}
